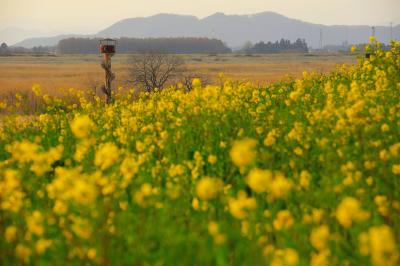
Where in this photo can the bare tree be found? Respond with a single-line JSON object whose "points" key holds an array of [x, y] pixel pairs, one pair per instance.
{"points": [[155, 69]]}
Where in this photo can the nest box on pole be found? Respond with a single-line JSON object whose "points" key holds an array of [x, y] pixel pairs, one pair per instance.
{"points": [[107, 48]]}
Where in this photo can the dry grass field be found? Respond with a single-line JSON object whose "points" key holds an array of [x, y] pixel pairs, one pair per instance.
{"points": [[18, 73]]}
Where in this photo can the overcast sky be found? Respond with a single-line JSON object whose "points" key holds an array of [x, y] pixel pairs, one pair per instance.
{"points": [[90, 16]]}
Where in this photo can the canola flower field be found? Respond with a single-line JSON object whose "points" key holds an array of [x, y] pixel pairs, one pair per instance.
{"points": [[299, 172]]}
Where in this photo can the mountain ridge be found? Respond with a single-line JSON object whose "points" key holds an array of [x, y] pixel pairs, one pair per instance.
{"points": [[235, 30]]}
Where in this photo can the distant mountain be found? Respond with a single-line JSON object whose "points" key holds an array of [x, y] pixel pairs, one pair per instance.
{"points": [[162, 25], [234, 30], [45, 41], [12, 35]]}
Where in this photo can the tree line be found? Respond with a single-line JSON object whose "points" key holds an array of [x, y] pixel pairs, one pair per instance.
{"points": [[166, 45], [6, 50], [283, 45], [136, 45]]}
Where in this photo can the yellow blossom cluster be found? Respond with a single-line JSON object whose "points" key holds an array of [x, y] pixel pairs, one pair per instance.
{"points": [[299, 172]]}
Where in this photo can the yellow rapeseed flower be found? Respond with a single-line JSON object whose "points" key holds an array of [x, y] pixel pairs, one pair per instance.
{"points": [[106, 155], [42, 245], [36, 89], [349, 211], [259, 180], [379, 242], [385, 128], [196, 83], [280, 186], [23, 252], [239, 206], [10, 233], [270, 139], [372, 39], [81, 126], [319, 237], [243, 153], [35, 223], [140, 146], [212, 159], [92, 253], [129, 167], [396, 169], [213, 228], [305, 178], [285, 257], [207, 188], [284, 220], [320, 258]]}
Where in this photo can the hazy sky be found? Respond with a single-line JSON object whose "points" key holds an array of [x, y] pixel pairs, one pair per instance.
{"points": [[90, 16]]}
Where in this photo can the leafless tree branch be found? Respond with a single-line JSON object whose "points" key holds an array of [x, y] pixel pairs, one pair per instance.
{"points": [[155, 69]]}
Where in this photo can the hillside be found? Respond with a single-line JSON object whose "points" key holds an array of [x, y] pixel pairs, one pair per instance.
{"points": [[234, 30], [45, 41]]}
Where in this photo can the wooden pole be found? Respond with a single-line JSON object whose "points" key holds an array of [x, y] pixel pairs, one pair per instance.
{"points": [[109, 77]]}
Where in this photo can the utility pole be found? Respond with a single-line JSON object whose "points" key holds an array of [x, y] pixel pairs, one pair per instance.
{"points": [[107, 48]]}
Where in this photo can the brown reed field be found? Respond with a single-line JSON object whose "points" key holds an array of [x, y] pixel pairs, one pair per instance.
{"points": [[19, 73]]}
